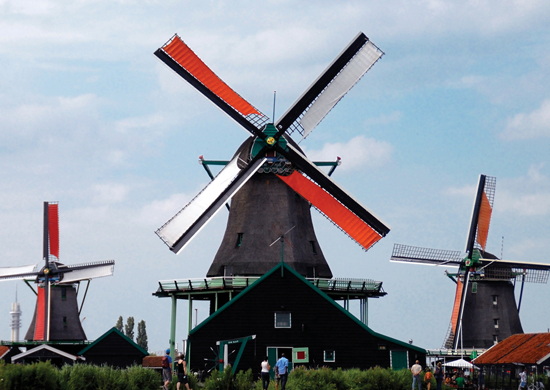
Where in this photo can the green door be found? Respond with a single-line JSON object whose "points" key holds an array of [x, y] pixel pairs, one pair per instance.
{"points": [[271, 359], [399, 360]]}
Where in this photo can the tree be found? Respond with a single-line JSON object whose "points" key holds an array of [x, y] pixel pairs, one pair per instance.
{"points": [[129, 328], [141, 338], [119, 325]]}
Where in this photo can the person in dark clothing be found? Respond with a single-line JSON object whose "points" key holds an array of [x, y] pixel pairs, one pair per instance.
{"points": [[182, 372], [438, 374]]}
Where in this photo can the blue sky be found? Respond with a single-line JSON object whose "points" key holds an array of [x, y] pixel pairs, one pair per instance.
{"points": [[90, 118]]}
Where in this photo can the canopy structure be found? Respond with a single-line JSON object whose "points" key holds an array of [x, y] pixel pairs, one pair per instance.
{"points": [[461, 363]]}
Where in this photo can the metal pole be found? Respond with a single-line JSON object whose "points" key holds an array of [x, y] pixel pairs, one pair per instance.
{"points": [[173, 329]]}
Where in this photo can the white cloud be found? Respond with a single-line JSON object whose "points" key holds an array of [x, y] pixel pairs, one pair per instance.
{"points": [[535, 124], [527, 196], [110, 193], [358, 153], [160, 211]]}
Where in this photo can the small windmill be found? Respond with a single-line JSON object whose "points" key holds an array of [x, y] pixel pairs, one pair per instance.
{"points": [[484, 310], [56, 316], [267, 165]]}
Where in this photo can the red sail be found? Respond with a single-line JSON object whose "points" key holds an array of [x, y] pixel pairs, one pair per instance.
{"points": [[40, 324], [53, 229], [187, 59], [350, 223]]}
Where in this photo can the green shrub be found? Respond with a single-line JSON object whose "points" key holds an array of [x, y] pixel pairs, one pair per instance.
{"points": [[39, 376], [244, 380]]}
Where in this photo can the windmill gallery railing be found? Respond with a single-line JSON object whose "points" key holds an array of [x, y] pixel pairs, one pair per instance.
{"points": [[339, 289], [340, 286]]}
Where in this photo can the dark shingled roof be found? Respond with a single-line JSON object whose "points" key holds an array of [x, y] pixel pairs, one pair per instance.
{"points": [[530, 348]]}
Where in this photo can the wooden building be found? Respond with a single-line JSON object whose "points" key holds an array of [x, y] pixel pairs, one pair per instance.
{"points": [[283, 312], [115, 349]]}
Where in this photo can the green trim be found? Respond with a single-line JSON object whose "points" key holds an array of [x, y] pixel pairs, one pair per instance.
{"points": [[227, 304], [115, 330], [310, 285]]}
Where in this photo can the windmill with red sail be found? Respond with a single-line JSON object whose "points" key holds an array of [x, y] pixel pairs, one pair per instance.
{"points": [[57, 311], [484, 310], [269, 180]]}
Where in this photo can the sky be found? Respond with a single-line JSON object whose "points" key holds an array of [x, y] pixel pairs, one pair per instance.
{"points": [[92, 119]]}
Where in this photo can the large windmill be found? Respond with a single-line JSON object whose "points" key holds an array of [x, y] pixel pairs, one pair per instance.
{"points": [[270, 181], [56, 315], [484, 310]]}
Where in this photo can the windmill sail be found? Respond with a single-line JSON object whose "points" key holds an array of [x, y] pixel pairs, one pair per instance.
{"points": [[52, 230], [180, 58], [331, 200], [330, 87], [481, 214], [350, 223], [429, 256], [310, 182], [179, 230], [87, 271]]}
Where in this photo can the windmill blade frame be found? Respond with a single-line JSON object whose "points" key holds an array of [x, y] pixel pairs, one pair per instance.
{"points": [[182, 227], [86, 271], [330, 87], [182, 60], [331, 200], [427, 256], [481, 214], [18, 272]]}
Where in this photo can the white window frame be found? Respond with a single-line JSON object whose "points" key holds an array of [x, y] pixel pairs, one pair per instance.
{"points": [[325, 356], [289, 320]]}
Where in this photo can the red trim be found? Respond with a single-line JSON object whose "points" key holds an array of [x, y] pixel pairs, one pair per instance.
{"points": [[53, 229], [354, 226], [40, 323], [183, 55], [483, 221]]}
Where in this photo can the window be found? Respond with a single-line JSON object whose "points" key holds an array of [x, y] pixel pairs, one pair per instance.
{"points": [[65, 322], [329, 356], [63, 293], [313, 250], [495, 321], [227, 271], [282, 319], [495, 339], [474, 287], [239, 240], [495, 300]]}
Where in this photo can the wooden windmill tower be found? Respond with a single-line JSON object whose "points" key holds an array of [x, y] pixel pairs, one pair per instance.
{"points": [[57, 312], [484, 310]]}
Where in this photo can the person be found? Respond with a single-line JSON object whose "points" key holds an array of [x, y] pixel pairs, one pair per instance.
{"points": [[167, 371], [265, 373], [428, 378], [282, 367], [523, 378], [416, 369], [481, 379], [438, 376], [277, 377], [460, 381], [182, 372]]}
